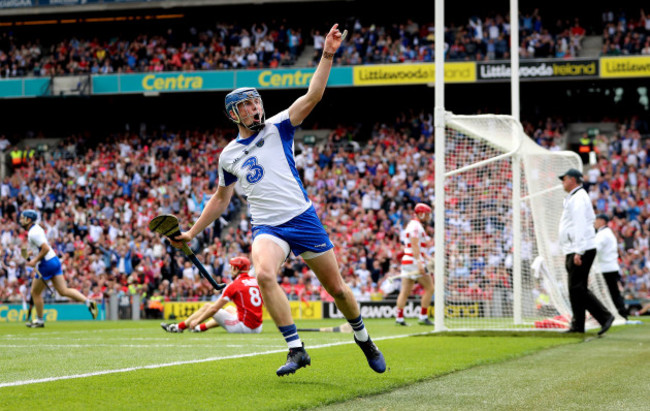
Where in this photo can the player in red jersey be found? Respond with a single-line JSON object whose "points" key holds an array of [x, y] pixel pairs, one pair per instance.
{"points": [[244, 292]]}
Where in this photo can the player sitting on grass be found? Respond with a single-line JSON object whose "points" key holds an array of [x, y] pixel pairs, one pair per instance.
{"points": [[243, 291], [47, 266]]}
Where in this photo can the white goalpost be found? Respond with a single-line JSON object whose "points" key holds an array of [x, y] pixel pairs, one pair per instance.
{"points": [[499, 265], [503, 267]]}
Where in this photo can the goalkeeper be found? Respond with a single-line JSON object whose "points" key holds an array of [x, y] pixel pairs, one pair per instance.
{"points": [[244, 292], [415, 238]]}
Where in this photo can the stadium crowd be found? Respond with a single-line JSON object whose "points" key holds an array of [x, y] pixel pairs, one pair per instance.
{"points": [[478, 39], [626, 34], [224, 46], [96, 199], [279, 44]]}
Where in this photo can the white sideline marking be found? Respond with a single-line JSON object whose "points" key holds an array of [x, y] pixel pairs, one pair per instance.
{"points": [[42, 333], [31, 346], [175, 363], [163, 339]]}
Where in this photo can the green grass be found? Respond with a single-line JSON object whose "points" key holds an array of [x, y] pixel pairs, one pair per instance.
{"points": [[339, 373], [608, 373]]}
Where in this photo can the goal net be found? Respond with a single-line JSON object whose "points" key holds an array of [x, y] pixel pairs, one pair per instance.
{"points": [[504, 268]]}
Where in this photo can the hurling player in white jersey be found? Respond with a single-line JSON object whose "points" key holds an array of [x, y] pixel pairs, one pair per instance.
{"points": [[283, 217], [48, 267], [415, 238]]}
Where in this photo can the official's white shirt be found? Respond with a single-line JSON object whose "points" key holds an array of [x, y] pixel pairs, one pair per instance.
{"points": [[265, 167], [577, 233], [36, 238], [606, 250]]}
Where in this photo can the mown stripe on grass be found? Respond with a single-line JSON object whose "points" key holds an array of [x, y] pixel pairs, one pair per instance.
{"points": [[337, 373], [599, 373], [176, 363]]}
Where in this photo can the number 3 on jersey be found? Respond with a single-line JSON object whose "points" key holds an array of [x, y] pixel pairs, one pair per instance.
{"points": [[256, 298], [255, 171]]}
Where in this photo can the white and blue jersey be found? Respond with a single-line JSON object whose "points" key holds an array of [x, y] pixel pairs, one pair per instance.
{"points": [[265, 167], [50, 265]]}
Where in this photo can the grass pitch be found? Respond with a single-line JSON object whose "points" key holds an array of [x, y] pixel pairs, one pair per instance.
{"points": [[136, 365]]}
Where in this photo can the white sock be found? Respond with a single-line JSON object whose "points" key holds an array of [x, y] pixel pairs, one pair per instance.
{"points": [[423, 317], [290, 334], [362, 334], [295, 343], [359, 329], [87, 302], [400, 319]]}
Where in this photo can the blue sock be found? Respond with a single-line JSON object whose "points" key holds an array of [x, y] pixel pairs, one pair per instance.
{"points": [[290, 334], [359, 329]]}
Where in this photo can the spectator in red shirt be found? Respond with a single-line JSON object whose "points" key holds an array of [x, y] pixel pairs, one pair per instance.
{"points": [[287, 287]]}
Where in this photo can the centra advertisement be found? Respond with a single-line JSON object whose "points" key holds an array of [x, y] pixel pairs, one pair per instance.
{"points": [[51, 312]]}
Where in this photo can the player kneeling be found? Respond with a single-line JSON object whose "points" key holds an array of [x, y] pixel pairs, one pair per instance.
{"points": [[243, 291]]}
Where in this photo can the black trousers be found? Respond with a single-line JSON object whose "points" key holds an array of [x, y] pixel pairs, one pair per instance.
{"points": [[612, 283], [581, 298]]}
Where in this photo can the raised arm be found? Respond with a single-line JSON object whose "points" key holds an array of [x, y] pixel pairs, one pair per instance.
{"points": [[301, 108]]}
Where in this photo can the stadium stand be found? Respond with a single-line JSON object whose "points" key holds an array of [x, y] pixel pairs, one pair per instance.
{"points": [[187, 46], [96, 202], [626, 32], [97, 191]]}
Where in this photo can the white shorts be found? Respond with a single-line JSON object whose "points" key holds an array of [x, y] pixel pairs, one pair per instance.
{"points": [[410, 271], [230, 322]]}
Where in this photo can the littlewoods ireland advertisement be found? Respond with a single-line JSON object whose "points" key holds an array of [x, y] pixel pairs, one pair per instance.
{"points": [[423, 73], [540, 69], [616, 67], [387, 309]]}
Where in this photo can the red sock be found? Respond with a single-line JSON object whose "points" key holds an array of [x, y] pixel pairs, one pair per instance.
{"points": [[424, 311], [203, 327], [182, 325], [400, 313]]}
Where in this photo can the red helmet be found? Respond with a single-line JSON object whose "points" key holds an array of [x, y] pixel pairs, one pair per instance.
{"points": [[240, 263], [422, 208]]}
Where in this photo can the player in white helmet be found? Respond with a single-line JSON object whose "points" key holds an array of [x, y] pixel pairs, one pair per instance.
{"points": [[47, 266], [414, 261], [284, 220]]}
